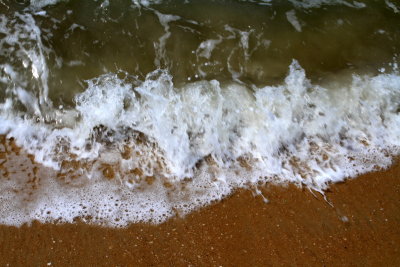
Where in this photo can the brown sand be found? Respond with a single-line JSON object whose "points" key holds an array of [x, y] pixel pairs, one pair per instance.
{"points": [[361, 227]]}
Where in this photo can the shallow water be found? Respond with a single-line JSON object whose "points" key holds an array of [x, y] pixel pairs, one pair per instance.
{"points": [[169, 105]]}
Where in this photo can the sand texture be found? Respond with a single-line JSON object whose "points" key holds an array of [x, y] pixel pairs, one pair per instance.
{"points": [[357, 225]]}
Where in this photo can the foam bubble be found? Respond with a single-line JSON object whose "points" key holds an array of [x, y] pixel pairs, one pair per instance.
{"points": [[392, 6], [291, 17], [43, 3], [205, 48]]}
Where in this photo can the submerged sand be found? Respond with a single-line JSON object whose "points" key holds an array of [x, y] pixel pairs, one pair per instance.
{"points": [[358, 224]]}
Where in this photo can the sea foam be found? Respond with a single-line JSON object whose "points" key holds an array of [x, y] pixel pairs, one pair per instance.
{"points": [[169, 150]]}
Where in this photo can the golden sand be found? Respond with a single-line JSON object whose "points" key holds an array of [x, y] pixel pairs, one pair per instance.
{"points": [[358, 224]]}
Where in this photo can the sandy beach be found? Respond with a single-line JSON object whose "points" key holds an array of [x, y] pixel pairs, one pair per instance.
{"points": [[357, 225]]}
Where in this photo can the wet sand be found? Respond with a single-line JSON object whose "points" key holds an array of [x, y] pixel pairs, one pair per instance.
{"points": [[357, 225]]}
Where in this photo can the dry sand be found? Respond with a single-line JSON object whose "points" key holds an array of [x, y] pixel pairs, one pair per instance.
{"points": [[358, 225]]}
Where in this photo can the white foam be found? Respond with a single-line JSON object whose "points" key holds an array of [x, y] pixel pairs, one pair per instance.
{"points": [[259, 2], [39, 4], [392, 6], [206, 47], [292, 18], [145, 3], [209, 137], [242, 50], [161, 59], [24, 46], [43, 3], [318, 3]]}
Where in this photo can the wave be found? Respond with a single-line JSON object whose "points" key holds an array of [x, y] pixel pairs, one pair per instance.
{"points": [[210, 137]]}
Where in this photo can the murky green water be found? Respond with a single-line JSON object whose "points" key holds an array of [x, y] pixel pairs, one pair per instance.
{"points": [[196, 40]]}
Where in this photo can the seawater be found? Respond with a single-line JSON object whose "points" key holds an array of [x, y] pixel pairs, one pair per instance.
{"points": [[137, 111]]}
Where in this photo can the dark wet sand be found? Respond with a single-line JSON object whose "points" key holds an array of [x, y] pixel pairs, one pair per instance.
{"points": [[361, 227]]}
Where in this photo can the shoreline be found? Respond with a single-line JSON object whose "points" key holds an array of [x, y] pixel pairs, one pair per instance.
{"points": [[199, 133], [360, 226]]}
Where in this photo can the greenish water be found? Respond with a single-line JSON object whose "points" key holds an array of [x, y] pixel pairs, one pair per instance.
{"points": [[248, 42]]}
